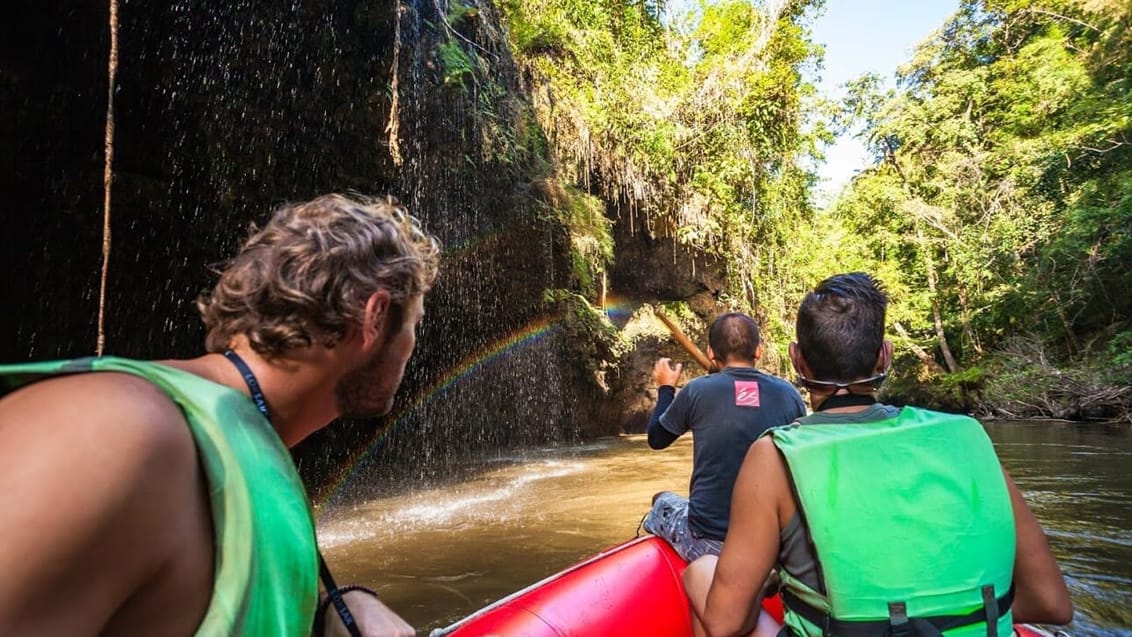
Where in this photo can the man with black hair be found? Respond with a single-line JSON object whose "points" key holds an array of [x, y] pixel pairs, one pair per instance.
{"points": [[726, 412], [880, 520]]}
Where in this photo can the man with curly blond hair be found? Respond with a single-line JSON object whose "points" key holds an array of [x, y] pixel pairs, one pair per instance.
{"points": [[158, 497]]}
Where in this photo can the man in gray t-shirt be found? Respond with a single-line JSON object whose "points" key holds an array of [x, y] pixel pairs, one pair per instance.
{"points": [[725, 411]]}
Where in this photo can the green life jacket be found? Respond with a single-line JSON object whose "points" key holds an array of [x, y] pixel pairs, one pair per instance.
{"points": [[266, 557], [911, 523]]}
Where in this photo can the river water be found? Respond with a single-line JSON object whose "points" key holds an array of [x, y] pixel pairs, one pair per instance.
{"points": [[438, 551]]}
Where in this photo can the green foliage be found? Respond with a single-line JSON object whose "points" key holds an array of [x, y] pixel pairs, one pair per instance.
{"points": [[963, 389], [590, 239], [486, 108], [456, 66], [681, 314], [959, 392], [532, 149], [1121, 351], [1024, 381], [690, 120], [1001, 200], [998, 210], [595, 342], [459, 14], [586, 232]]}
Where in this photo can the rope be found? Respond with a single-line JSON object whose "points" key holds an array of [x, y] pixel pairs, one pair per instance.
{"points": [[107, 174]]}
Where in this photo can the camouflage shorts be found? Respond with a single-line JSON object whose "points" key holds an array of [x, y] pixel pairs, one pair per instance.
{"points": [[668, 519]]}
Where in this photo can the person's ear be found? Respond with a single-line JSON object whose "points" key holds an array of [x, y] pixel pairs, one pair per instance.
{"points": [[799, 361], [758, 352], [884, 358], [716, 364], [374, 320]]}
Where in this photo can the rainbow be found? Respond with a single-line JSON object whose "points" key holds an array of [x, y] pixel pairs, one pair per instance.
{"points": [[465, 368], [617, 307]]}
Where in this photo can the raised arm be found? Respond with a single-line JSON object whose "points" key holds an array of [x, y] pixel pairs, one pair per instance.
{"points": [[729, 607], [665, 376], [1040, 594], [99, 476], [659, 437]]}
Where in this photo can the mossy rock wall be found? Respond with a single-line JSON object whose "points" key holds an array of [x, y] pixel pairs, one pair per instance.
{"points": [[224, 110]]}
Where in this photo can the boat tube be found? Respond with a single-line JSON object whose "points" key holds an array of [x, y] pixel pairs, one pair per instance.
{"points": [[633, 589]]}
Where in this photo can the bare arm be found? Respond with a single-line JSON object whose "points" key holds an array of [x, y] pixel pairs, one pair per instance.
{"points": [[728, 607], [374, 618], [95, 491], [1040, 594]]}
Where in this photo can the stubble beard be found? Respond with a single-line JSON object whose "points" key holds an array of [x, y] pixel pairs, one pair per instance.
{"points": [[359, 394]]}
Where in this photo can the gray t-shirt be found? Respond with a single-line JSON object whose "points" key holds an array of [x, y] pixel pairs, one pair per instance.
{"points": [[726, 412]]}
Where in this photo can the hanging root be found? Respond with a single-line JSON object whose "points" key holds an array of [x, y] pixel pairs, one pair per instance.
{"points": [[107, 176], [394, 125]]}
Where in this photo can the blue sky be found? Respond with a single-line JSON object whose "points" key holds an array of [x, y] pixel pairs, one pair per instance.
{"points": [[862, 36]]}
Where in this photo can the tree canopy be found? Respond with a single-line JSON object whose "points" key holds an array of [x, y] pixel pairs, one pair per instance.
{"points": [[690, 123], [1002, 188], [998, 210]]}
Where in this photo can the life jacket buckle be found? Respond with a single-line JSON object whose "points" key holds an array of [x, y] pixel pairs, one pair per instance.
{"points": [[898, 624]]}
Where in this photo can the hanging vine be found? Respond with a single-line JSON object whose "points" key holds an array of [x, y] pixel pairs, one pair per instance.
{"points": [[107, 176], [394, 122]]}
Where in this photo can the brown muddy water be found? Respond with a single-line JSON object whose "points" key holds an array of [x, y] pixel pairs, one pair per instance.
{"points": [[438, 552]]}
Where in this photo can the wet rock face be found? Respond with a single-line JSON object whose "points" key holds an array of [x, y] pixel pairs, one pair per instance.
{"points": [[636, 393], [51, 118], [653, 265], [220, 112], [224, 110]]}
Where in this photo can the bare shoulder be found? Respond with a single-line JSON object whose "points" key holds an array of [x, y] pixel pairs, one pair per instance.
{"points": [[764, 473], [764, 454], [93, 435], [106, 406], [96, 469], [762, 468]]}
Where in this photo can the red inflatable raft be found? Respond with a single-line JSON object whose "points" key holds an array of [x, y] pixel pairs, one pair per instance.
{"points": [[632, 589]]}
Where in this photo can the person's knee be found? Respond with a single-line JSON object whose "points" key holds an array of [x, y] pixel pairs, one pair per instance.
{"points": [[699, 573]]}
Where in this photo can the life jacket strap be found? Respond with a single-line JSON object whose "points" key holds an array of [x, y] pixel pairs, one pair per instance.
{"points": [[992, 608], [899, 624]]}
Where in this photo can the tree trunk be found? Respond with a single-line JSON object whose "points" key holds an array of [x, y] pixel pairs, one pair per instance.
{"points": [[937, 314], [1070, 336], [967, 331], [921, 353]]}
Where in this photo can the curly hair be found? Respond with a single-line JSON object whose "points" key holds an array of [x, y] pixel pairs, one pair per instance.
{"points": [[304, 278]]}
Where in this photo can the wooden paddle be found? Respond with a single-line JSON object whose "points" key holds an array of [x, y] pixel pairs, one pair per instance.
{"points": [[684, 341]]}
